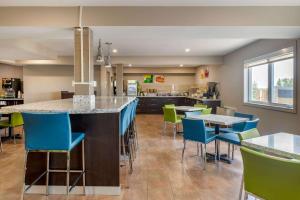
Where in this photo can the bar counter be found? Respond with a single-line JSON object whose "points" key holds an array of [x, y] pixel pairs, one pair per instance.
{"points": [[101, 124]]}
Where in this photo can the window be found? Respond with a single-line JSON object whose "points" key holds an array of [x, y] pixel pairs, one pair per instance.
{"points": [[270, 80]]}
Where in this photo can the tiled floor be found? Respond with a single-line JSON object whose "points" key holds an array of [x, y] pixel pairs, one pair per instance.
{"points": [[158, 172]]}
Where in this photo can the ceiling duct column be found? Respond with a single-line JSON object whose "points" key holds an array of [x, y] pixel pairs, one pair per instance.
{"points": [[119, 79], [83, 64]]}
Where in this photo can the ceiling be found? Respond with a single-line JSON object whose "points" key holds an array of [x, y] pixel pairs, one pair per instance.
{"points": [[150, 2], [19, 43]]}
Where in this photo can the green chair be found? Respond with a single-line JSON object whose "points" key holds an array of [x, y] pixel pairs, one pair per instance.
{"points": [[169, 106], [269, 177], [16, 120], [248, 134], [206, 111], [200, 105], [170, 116]]}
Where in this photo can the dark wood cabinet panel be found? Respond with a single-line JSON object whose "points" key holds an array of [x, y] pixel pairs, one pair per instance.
{"points": [[153, 105]]}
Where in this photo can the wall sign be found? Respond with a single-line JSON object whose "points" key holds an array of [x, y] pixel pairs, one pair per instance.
{"points": [[159, 78], [148, 78]]}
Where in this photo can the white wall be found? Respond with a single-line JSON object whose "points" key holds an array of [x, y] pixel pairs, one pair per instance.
{"points": [[45, 82], [231, 79], [10, 71], [181, 78]]}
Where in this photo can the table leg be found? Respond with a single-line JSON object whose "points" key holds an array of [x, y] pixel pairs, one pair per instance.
{"points": [[220, 157]]}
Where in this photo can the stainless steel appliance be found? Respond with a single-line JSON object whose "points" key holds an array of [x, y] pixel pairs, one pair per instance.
{"points": [[132, 87], [11, 86]]}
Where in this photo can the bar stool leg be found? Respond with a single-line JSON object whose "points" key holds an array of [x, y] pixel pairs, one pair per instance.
{"points": [[1, 143], [68, 172], [47, 175], [83, 167], [136, 133], [24, 178]]}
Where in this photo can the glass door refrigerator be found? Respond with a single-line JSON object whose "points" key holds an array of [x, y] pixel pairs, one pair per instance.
{"points": [[132, 87]]}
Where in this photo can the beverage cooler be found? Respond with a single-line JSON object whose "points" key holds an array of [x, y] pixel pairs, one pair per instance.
{"points": [[132, 87]]}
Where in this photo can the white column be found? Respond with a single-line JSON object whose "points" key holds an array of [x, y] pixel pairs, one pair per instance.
{"points": [[119, 79]]}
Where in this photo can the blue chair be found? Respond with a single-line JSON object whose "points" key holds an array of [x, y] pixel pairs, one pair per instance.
{"points": [[238, 127], [197, 113], [194, 130], [133, 124], [51, 133], [233, 138]]}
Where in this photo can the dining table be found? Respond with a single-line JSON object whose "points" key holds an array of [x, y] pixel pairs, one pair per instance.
{"points": [[217, 121], [280, 144], [188, 108]]}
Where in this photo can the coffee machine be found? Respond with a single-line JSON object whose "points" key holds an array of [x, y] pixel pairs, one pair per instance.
{"points": [[212, 90], [11, 86]]}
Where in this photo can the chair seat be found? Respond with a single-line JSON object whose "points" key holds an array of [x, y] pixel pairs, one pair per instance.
{"points": [[226, 130], [232, 138], [76, 139], [209, 129], [211, 136]]}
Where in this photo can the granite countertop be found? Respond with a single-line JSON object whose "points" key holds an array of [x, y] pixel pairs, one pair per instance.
{"points": [[11, 99], [102, 105], [280, 144]]}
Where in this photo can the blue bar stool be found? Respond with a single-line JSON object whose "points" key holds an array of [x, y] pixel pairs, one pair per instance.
{"points": [[124, 133], [51, 133]]}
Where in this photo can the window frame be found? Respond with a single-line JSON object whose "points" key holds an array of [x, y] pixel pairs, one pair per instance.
{"points": [[266, 59]]}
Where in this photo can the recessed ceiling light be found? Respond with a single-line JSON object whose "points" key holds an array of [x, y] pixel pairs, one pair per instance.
{"points": [[187, 50], [181, 65], [129, 65], [115, 51]]}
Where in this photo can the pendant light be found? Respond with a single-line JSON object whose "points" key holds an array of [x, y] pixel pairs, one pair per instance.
{"points": [[107, 60], [100, 57]]}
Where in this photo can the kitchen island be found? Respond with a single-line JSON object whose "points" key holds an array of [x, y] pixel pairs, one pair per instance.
{"points": [[101, 124]]}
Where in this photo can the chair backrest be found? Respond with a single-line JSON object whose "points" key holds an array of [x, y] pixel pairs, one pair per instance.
{"points": [[194, 130], [221, 111], [16, 119], [194, 113], [244, 115], [170, 114], [133, 110], [248, 134], [47, 131], [136, 102], [270, 177], [251, 124], [238, 127], [169, 106], [206, 111], [125, 118], [200, 105], [244, 126]]}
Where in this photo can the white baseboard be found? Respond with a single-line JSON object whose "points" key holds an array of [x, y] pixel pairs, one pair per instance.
{"points": [[90, 190]]}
